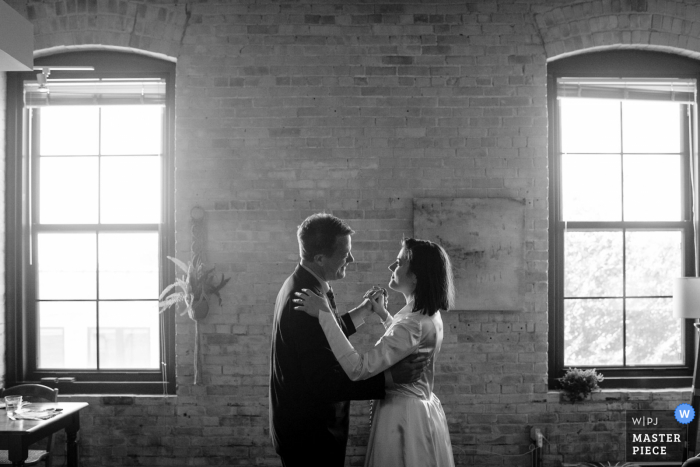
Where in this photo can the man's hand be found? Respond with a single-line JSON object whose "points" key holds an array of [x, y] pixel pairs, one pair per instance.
{"points": [[365, 306], [409, 369], [374, 294], [379, 300]]}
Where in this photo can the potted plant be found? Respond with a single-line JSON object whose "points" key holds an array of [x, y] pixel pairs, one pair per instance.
{"points": [[194, 289], [578, 384]]}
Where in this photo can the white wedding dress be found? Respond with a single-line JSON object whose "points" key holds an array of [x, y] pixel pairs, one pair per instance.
{"points": [[409, 428]]}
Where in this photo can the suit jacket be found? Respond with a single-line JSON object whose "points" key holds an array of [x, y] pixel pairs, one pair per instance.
{"points": [[309, 391]]}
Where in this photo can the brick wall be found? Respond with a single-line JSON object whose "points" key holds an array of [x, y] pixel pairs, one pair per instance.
{"points": [[356, 108]]}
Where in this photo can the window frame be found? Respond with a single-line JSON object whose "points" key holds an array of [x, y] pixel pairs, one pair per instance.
{"points": [[21, 193], [616, 64]]}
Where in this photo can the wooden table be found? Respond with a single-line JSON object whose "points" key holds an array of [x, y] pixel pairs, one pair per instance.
{"points": [[17, 435]]}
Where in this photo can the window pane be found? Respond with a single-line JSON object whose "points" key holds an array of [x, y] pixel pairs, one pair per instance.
{"points": [[52, 347], [68, 130], [129, 335], [130, 190], [651, 127], [593, 332], [653, 259], [591, 187], [129, 265], [652, 187], [76, 321], [66, 266], [68, 190], [590, 126], [130, 130], [652, 332], [592, 264]]}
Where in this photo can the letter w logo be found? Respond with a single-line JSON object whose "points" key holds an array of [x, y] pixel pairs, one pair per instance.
{"points": [[685, 413]]}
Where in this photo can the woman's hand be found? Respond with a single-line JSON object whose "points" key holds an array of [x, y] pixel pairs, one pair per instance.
{"points": [[379, 300], [373, 293], [311, 303]]}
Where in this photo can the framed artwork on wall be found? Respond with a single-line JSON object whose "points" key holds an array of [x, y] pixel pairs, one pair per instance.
{"points": [[484, 238]]}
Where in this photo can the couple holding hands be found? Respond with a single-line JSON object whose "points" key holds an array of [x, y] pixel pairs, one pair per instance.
{"points": [[315, 370]]}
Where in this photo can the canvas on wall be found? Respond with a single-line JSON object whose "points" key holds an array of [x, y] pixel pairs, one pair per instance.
{"points": [[484, 238]]}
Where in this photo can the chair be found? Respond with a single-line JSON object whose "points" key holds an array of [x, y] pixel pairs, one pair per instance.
{"points": [[31, 393]]}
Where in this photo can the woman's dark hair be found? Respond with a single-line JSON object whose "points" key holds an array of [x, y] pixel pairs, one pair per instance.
{"points": [[430, 264], [318, 234]]}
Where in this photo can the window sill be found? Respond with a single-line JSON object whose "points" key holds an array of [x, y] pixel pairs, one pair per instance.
{"points": [[116, 399], [638, 383], [116, 388], [624, 395]]}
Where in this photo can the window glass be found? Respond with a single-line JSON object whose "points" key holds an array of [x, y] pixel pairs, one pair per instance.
{"points": [[652, 339], [66, 266], [128, 335], [128, 265], [130, 190], [593, 333], [77, 323], [69, 131], [621, 161], [593, 262], [68, 190], [591, 187], [590, 126], [131, 130], [97, 299], [52, 347], [652, 187], [653, 260], [651, 127]]}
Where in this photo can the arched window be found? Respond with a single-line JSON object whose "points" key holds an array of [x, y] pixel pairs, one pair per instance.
{"points": [[89, 197], [622, 136]]}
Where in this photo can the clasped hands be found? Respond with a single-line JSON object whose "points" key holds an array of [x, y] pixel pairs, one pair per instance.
{"points": [[375, 300]]}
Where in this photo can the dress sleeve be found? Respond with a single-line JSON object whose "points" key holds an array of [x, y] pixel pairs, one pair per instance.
{"points": [[387, 322], [397, 343]]}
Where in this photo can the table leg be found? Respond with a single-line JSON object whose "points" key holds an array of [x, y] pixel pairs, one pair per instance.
{"points": [[18, 451], [72, 448]]}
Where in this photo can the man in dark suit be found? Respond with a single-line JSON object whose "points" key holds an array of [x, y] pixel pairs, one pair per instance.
{"points": [[309, 391]]}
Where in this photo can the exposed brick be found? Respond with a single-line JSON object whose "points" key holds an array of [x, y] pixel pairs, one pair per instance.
{"points": [[356, 108]]}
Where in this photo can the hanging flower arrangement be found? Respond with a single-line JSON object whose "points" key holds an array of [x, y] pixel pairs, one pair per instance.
{"points": [[194, 289]]}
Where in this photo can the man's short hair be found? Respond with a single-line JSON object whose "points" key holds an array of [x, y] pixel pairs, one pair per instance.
{"points": [[319, 233]]}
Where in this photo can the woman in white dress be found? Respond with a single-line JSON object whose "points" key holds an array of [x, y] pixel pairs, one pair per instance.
{"points": [[408, 426]]}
